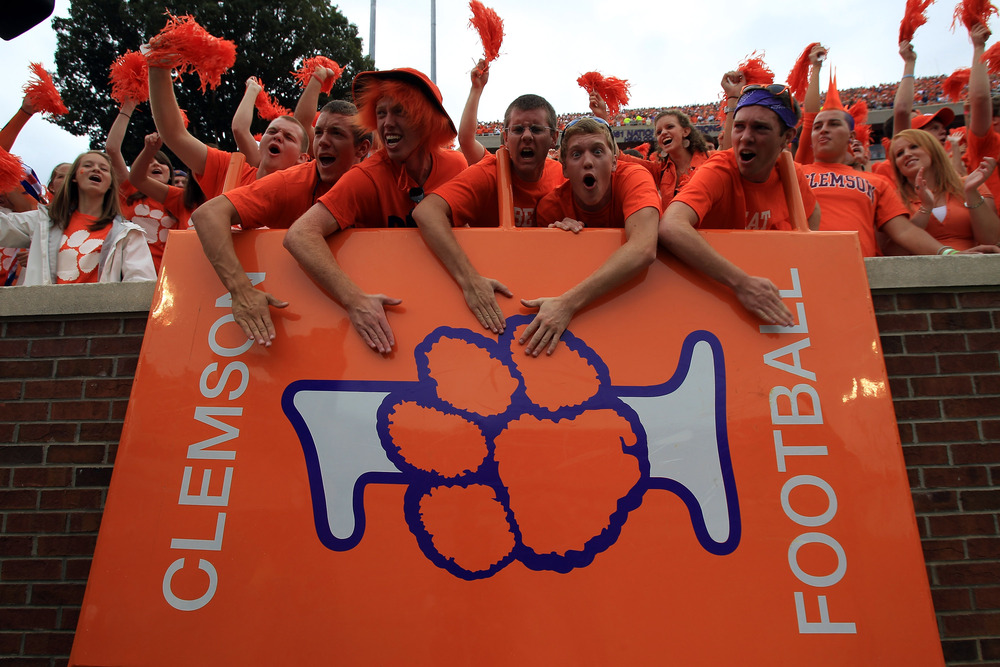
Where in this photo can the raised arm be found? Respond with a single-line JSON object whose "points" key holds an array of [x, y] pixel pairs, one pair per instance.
{"points": [[139, 174], [116, 135], [555, 313], [213, 220], [14, 126], [902, 107], [433, 217], [758, 295], [471, 148], [980, 105], [811, 104], [245, 143], [306, 107], [170, 123], [982, 209], [306, 240], [732, 85]]}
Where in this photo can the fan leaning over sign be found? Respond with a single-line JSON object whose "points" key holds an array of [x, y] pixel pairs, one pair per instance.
{"points": [[412, 130], [276, 201], [739, 188]]}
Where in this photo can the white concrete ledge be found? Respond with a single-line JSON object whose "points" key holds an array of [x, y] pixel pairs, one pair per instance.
{"points": [[975, 273]]}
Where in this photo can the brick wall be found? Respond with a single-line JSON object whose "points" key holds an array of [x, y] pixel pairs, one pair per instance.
{"points": [[63, 393], [67, 380]]}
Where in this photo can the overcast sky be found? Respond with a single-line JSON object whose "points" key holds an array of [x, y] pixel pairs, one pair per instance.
{"points": [[671, 56]]}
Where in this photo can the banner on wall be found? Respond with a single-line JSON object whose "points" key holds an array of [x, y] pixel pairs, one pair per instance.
{"points": [[677, 483]]}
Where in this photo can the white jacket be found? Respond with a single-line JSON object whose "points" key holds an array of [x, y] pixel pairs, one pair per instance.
{"points": [[124, 257]]}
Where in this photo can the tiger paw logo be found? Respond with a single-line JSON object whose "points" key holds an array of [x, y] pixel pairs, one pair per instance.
{"points": [[509, 457]]}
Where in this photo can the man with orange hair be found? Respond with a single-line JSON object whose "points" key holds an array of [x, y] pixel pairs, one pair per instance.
{"points": [[412, 130]]}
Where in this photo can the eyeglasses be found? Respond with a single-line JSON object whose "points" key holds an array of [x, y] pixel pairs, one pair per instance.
{"points": [[597, 119], [779, 90], [536, 130]]}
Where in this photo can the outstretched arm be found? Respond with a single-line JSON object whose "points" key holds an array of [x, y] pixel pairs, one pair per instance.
{"points": [[306, 240], [811, 104], [902, 107], [555, 313], [138, 176], [14, 126], [245, 143], [213, 220], [471, 148], [116, 135], [732, 85], [432, 216], [758, 295], [170, 123], [306, 107]]}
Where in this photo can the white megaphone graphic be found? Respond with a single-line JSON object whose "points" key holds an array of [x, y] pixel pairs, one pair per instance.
{"points": [[680, 427]]}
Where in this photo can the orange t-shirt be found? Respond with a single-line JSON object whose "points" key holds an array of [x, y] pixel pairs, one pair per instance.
{"points": [[80, 251], [951, 224], [472, 196], [379, 193], [214, 177], [665, 174], [632, 189], [155, 218], [853, 201], [278, 199], [982, 147], [174, 202], [723, 199]]}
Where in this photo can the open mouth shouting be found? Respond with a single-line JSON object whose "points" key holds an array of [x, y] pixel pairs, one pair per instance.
{"points": [[392, 140], [589, 181]]}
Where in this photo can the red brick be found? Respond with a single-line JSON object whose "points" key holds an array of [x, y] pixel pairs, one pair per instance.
{"points": [[960, 650], [954, 476], [100, 432], [14, 349], [24, 411], [962, 524], [959, 320], [10, 642], [118, 410], [116, 345], [911, 365], [983, 548], [953, 431], [92, 327], [13, 594], [27, 618], [47, 432], [895, 322], [943, 550], [15, 546], [987, 384], [33, 569], [891, 344], [36, 522], [78, 569], [951, 599], [913, 477], [925, 455], [968, 363], [983, 341], [972, 407], [971, 625], [5, 475], [33, 329], [935, 501], [109, 388], [44, 595], [883, 302], [59, 347], [26, 499], [53, 389], [100, 367], [70, 499], [20, 454], [134, 325], [967, 573], [48, 643], [905, 433], [990, 648], [93, 477], [991, 429], [80, 454], [80, 410], [978, 501], [11, 391], [990, 299], [66, 545], [976, 453], [925, 301], [85, 522], [899, 387], [944, 385], [46, 476], [917, 409], [935, 343], [27, 369], [70, 618], [125, 367]]}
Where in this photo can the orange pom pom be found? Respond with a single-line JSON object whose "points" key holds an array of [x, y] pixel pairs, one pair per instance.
{"points": [[186, 46], [956, 83], [590, 80], [914, 17], [11, 171], [130, 78], [490, 29], [266, 107], [184, 118], [971, 12], [614, 92], [992, 59], [304, 73], [42, 93], [643, 149], [798, 78], [755, 71]]}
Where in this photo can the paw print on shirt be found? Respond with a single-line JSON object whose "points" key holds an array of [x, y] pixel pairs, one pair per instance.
{"points": [[80, 254], [155, 222]]}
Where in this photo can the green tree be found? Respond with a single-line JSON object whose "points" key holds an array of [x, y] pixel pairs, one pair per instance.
{"points": [[272, 40]]}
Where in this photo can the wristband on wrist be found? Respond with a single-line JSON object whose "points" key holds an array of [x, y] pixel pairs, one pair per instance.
{"points": [[906, 76], [977, 204], [924, 210], [122, 113], [947, 250]]}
